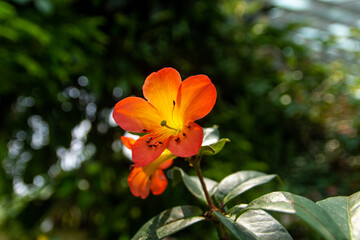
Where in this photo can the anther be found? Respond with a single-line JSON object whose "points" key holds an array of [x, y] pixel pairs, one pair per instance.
{"points": [[173, 102], [144, 130], [150, 145], [177, 139], [184, 134], [147, 141], [160, 142], [150, 138], [188, 126]]}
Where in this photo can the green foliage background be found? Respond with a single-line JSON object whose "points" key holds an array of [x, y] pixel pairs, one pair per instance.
{"points": [[64, 65]]}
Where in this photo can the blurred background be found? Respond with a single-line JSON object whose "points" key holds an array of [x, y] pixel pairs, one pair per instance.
{"points": [[288, 87]]}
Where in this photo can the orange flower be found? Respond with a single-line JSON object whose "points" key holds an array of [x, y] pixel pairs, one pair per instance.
{"points": [[168, 115], [150, 177]]}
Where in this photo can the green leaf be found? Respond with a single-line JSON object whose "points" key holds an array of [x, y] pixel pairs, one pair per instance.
{"points": [[317, 218], [168, 222], [238, 230], [232, 181], [239, 182], [193, 184], [211, 135], [211, 144], [345, 211], [214, 148], [178, 225], [248, 185], [263, 225], [275, 201], [207, 150]]}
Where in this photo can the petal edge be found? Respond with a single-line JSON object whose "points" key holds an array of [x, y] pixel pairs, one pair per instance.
{"points": [[134, 114], [196, 97]]}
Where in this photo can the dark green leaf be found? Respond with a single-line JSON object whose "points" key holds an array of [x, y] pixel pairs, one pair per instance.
{"points": [[193, 184], [318, 219], [248, 185], [214, 148], [237, 209], [275, 201], [207, 150], [345, 211], [239, 231], [232, 181], [178, 225], [263, 225], [156, 228]]}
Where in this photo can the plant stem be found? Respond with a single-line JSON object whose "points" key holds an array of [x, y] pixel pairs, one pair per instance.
{"points": [[201, 178], [222, 233]]}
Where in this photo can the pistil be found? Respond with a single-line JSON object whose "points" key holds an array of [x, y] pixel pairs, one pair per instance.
{"points": [[163, 124]]}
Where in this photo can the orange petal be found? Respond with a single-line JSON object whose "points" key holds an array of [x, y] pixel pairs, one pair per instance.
{"points": [[147, 148], [166, 164], [161, 88], [128, 142], [196, 98], [139, 182], [158, 182], [188, 142], [136, 115]]}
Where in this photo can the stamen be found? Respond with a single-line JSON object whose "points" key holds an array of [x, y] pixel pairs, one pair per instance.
{"points": [[160, 142], [184, 134], [188, 126], [172, 112], [177, 139], [147, 141], [150, 145], [150, 138], [144, 130]]}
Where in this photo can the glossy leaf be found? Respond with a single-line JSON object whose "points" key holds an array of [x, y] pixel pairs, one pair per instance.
{"points": [[275, 201], [263, 225], [211, 144], [207, 150], [238, 230], [178, 225], [168, 222], [316, 217], [232, 181], [214, 148], [248, 185], [193, 184], [345, 211], [211, 135]]}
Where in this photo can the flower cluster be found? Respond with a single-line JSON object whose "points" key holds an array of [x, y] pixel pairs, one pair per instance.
{"points": [[167, 120]]}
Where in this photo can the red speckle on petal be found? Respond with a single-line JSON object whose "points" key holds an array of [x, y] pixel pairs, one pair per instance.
{"points": [[189, 145]]}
